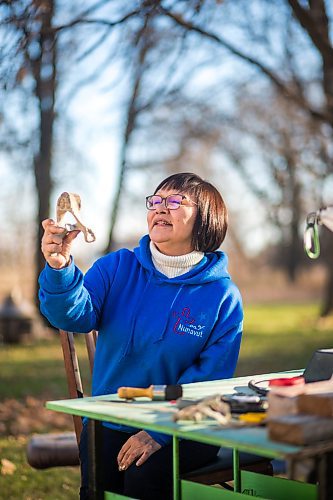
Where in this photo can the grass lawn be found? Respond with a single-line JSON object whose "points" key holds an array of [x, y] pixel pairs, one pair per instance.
{"points": [[276, 338], [59, 483], [281, 337], [35, 371], [38, 369]]}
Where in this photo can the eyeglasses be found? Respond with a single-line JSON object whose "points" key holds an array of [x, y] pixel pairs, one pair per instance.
{"points": [[172, 202]]}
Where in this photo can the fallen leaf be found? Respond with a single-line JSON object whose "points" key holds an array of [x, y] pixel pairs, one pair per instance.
{"points": [[7, 467]]}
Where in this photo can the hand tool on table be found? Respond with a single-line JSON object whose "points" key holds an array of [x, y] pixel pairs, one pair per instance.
{"points": [[155, 392], [255, 386], [253, 418]]}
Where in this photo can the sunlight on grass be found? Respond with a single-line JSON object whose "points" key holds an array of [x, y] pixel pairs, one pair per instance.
{"points": [[280, 337], [38, 370]]}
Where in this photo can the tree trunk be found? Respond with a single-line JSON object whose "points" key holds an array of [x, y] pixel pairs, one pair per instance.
{"points": [[132, 113], [44, 72], [326, 244], [327, 304], [296, 216]]}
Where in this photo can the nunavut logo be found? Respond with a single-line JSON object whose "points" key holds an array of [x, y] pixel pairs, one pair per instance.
{"points": [[185, 323]]}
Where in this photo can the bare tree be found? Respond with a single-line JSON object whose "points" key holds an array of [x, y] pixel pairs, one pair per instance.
{"points": [[35, 46], [30, 54], [160, 37], [297, 28], [292, 158], [142, 44], [313, 18]]}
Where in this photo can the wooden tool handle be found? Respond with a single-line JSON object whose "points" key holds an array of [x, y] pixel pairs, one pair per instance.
{"points": [[135, 392]]}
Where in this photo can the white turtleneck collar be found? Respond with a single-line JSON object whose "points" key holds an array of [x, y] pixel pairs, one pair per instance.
{"points": [[173, 266]]}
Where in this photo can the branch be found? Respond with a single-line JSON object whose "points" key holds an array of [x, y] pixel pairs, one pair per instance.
{"points": [[104, 22], [93, 8], [315, 23], [279, 84]]}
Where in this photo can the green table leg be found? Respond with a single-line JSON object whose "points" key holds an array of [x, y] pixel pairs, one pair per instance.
{"points": [[175, 462], [237, 477]]}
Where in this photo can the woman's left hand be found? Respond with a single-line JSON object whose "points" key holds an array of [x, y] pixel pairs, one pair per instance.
{"points": [[141, 446]]}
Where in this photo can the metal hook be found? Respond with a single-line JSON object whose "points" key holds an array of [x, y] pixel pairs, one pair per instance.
{"points": [[311, 236]]}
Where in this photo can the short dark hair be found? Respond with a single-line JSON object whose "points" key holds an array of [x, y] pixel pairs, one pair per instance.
{"points": [[211, 224]]}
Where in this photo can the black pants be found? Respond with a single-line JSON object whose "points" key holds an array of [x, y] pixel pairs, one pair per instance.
{"points": [[150, 481]]}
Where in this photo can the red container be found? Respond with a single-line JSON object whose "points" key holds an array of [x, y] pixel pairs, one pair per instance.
{"points": [[280, 382]]}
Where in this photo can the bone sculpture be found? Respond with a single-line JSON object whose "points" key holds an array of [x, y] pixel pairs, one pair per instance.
{"points": [[71, 202]]}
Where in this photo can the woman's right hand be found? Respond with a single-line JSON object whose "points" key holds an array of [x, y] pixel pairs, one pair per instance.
{"points": [[56, 247]]}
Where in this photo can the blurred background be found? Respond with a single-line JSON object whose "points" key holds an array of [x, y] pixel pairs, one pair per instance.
{"points": [[106, 98]]}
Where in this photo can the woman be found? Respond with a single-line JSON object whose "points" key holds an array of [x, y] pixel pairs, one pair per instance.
{"points": [[167, 313]]}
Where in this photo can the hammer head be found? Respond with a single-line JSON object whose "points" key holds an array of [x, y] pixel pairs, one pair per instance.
{"points": [[173, 392]]}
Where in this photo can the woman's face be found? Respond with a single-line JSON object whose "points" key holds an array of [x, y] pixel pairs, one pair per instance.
{"points": [[171, 230]]}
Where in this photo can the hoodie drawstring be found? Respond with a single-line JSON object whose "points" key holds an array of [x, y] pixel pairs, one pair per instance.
{"points": [[161, 337], [135, 314]]}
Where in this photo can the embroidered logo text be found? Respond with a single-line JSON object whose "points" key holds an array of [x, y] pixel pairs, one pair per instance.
{"points": [[185, 323]]}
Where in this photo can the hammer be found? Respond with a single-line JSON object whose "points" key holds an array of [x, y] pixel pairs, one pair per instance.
{"points": [[155, 392]]}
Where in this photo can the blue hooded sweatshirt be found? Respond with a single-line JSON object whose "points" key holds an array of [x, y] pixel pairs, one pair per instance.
{"points": [[151, 329]]}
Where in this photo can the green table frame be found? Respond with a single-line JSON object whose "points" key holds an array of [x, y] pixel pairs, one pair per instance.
{"points": [[157, 416]]}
